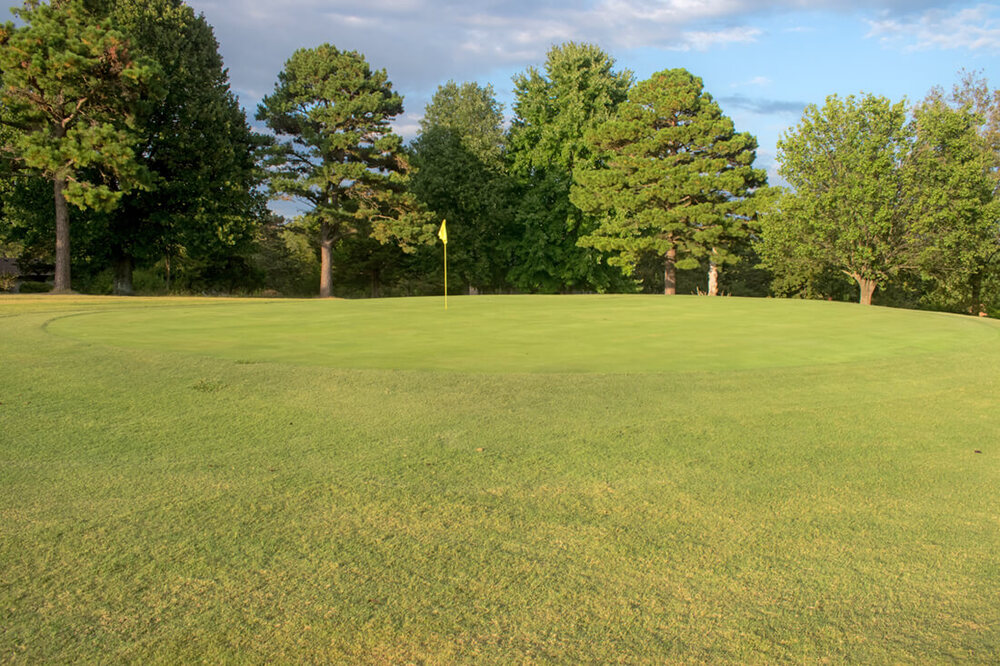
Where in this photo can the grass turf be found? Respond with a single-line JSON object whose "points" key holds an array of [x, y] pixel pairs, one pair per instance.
{"points": [[521, 479]]}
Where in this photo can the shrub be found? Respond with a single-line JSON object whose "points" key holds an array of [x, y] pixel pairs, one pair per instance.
{"points": [[35, 287]]}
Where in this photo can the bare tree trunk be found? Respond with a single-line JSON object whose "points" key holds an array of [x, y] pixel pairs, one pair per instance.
{"points": [[670, 272], [123, 274], [325, 261], [166, 263], [976, 282], [713, 279], [62, 237], [867, 289]]}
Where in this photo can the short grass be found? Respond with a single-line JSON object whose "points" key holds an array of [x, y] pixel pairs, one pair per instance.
{"points": [[518, 479]]}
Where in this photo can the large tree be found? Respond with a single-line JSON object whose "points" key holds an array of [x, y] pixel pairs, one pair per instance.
{"points": [[955, 209], [577, 91], [70, 84], [850, 205], [336, 152], [672, 179], [461, 177], [195, 141]]}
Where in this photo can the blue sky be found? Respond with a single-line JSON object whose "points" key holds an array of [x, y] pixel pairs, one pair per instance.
{"points": [[762, 60]]}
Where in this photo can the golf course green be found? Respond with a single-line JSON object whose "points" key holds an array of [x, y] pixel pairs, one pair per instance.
{"points": [[517, 479]]}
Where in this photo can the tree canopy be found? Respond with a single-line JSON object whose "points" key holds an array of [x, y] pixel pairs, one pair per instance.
{"points": [[849, 207], [336, 151], [195, 142], [461, 176], [671, 178], [596, 183], [70, 86], [578, 90]]}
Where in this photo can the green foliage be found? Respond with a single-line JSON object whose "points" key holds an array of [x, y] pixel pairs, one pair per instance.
{"points": [[336, 151], [285, 258], [578, 91], [69, 85], [848, 208], [460, 175], [672, 180], [954, 164], [194, 141], [882, 199], [27, 220], [473, 114], [31, 287]]}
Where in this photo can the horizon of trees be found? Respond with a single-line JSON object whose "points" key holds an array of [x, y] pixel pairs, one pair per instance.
{"points": [[600, 183]]}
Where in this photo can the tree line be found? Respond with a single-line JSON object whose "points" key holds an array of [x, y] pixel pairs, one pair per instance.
{"points": [[129, 164]]}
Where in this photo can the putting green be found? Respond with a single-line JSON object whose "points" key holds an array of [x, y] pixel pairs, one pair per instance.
{"points": [[505, 334]]}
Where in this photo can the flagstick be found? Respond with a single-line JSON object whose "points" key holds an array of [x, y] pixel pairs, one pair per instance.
{"points": [[446, 276]]}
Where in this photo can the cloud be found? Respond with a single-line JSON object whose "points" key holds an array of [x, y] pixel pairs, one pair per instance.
{"points": [[763, 106], [755, 82], [703, 40], [974, 28], [424, 42]]}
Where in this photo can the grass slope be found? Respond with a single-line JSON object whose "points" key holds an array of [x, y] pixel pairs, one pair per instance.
{"points": [[518, 479]]}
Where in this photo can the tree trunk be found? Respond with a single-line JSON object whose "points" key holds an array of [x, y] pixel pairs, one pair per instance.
{"points": [[375, 283], [713, 279], [325, 261], [62, 284], [123, 274], [976, 282], [867, 289], [166, 263], [670, 272]]}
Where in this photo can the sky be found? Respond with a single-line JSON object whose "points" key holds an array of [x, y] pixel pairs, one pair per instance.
{"points": [[762, 60]]}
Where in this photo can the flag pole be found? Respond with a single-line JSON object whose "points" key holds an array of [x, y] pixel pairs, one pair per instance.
{"points": [[443, 235]]}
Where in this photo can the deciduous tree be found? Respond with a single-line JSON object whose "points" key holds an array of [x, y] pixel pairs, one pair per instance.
{"points": [[955, 210], [578, 90], [461, 176], [850, 205], [195, 141]]}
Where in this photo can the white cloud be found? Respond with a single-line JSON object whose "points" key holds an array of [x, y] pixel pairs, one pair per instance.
{"points": [[755, 82], [700, 40], [424, 42], [974, 28]]}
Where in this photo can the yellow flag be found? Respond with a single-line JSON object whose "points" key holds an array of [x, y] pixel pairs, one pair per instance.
{"points": [[443, 232]]}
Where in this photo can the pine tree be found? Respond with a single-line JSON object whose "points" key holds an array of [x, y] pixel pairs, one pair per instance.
{"points": [[70, 85], [336, 151], [671, 178]]}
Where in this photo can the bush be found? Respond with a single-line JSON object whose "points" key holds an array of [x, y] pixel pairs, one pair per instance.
{"points": [[149, 281], [100, 283], [35, 288], [7, 281]]}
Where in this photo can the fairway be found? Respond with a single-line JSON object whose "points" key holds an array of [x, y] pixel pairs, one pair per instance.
{"points": [[578, 479]]}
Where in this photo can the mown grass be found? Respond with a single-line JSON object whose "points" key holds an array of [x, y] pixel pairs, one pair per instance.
{"points": [[580, 479]]}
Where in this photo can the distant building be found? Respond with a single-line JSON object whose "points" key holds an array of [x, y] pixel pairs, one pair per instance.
{"points": [[12, 276]]}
